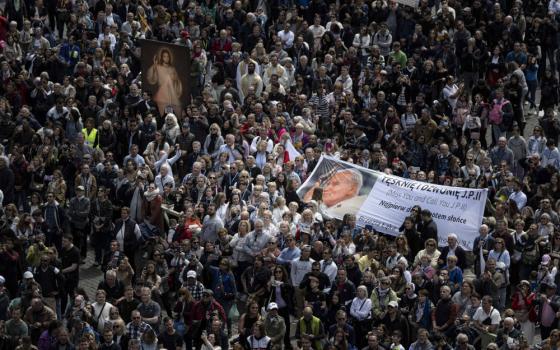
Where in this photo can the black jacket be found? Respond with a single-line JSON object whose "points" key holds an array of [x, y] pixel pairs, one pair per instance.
{"points": [[287, 292], [459, 253], [7, 184], [429, 231]]}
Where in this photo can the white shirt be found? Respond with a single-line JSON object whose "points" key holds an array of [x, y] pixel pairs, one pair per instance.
{"points": [[550, 156], [494, 314], [109, 36], [299, 269], [329, 269], [287, 38], [360, 308], [519, 198], [101, 313], [448, 91], [554, 6]]}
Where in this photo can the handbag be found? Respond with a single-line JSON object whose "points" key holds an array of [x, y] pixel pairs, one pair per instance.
{"points": [[533, 316], [180, 327], [233, 313]]}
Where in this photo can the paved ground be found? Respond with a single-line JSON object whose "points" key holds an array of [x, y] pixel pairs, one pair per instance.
{"points": [[90, 276]]}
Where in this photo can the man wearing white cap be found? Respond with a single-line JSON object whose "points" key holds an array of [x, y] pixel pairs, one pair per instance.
{"points": [[195, 287], [275, 326], [26, 285]]}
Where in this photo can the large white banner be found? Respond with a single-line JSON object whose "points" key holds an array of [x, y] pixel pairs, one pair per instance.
{"points": [[384, 201]]}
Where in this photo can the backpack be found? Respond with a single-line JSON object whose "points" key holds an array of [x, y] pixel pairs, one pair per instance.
{"points": [[495, 114]]}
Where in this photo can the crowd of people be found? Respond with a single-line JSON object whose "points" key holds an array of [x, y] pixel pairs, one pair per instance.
{"points": [[188, 207]]}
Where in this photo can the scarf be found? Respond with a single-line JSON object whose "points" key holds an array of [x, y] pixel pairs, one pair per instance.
{"points": [[150, 195], [382, 292], [212, 143]]}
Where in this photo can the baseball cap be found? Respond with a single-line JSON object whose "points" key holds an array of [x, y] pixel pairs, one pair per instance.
{"points": [[27, 275], [80, 188], [272, 306], [191, 274], [545, 260], [393, 304], [208, 292]]}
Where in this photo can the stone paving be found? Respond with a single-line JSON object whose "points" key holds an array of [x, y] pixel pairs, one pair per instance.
{"points": [[90, 276]]}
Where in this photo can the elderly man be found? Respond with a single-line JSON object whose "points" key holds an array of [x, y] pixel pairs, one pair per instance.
{"points": [[112, 287], [38, 317], [137, 327], [507, 333], [481, 246], [256, 240], [502, 152], [311, 328], [453, 249]]}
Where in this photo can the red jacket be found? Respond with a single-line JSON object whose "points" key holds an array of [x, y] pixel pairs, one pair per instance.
{"points": [[218, 46], [201, 311]]}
